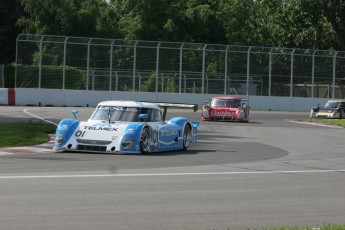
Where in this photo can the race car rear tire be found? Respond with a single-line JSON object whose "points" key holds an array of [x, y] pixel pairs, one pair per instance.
{"points": [[341, 114], [187, 136], [145, 140]]}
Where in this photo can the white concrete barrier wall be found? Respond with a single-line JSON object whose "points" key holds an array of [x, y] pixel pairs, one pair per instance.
{"points": [[56, 97], [7, 96], [3, 96]]}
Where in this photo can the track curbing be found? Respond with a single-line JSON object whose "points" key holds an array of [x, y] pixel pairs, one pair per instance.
{"points": [[42, 148]]}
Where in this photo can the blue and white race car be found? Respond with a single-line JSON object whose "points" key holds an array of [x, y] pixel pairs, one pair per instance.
{"points": [[127, 127]]}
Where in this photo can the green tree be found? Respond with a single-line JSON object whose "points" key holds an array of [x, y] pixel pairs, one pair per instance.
{"points": [[288, 23], [10, 11], [88, 18], [256, 23], [330, 16], [188, 21]]}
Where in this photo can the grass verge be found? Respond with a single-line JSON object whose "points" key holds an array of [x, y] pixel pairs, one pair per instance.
{"points": [[339, 122], [24, 134]]}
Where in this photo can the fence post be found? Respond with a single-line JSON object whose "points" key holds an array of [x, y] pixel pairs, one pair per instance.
{"points": [[181, 59], [134, 64], [270, 73], [88, 64], [157, 66], [291, 75], [203, 69], [40, 64], [111, 65], [15, 68], [248, 69], [64, 63], [313, 74], [334, 68], [226, 69]]}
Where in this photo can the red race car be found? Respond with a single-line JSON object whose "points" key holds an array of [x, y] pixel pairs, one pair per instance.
{"points": [[226, 108]]}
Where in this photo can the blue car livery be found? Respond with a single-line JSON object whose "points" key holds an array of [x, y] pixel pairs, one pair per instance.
{"points": [[127, 127]]}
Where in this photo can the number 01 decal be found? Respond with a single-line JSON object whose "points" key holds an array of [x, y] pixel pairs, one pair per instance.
{"points": [[80, 133], [155, 137]]}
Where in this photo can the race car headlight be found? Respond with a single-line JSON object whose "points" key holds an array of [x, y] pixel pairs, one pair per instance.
{"points": [[127, 143], [240, 113], [59, 139], [206, 113], [334, 114]]}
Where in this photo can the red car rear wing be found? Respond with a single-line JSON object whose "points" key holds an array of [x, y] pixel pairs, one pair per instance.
{"points": [[167, 105]]}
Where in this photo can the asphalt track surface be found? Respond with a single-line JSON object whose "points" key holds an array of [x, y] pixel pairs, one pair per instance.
{"points": [[270, 172]]}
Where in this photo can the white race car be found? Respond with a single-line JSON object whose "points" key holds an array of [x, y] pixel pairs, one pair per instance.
{"points": [[127, 127], [334, 108]]}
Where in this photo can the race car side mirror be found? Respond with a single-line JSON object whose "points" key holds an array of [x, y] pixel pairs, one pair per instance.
{"points": [[74, 112], [143, 117], [316, 109], [206, 105]]}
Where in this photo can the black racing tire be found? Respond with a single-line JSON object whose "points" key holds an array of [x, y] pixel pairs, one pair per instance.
{"points": [[145, 140], [186, 136]]}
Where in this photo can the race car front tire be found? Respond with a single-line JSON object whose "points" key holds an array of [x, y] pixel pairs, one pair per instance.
{"points": [[145, 140], [187, 136]]}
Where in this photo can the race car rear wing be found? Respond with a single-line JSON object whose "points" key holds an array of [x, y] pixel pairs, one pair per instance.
{"points": [[165, 106]]}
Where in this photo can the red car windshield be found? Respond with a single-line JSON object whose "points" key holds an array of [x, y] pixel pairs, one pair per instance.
{"points": [[229, 103]]}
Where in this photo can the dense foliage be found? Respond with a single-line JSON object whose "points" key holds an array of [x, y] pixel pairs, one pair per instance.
{"points": [[308, 24], [10, 11]]}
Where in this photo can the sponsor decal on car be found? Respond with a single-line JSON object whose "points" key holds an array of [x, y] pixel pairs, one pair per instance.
{"points": [[169, 145], [326, 110], [100, 128], [168, 132], [221, 113]]}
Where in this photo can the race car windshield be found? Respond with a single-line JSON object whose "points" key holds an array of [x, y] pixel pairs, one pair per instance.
{"points": [[330, 105], [129, 114], [231, 103]]}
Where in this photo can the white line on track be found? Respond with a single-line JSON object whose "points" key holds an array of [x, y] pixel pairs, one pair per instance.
{"points": [[316, 124], [33, 115], [171, 174]]}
